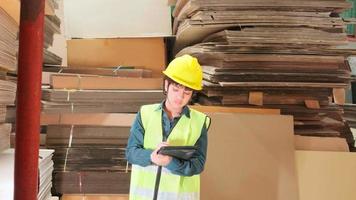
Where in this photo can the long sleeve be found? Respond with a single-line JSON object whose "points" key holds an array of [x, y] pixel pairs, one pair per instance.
{"points": [[135, 153], [196, 164]]}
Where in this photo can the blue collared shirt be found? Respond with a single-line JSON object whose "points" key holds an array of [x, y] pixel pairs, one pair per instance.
{"points": [[136, 154]]}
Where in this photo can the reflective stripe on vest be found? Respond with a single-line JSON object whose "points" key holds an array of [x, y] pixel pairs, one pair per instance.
{"points": [[186, 132]]}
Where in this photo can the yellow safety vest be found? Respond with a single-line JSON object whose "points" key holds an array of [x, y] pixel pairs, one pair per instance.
{"points": [[172, 187]]}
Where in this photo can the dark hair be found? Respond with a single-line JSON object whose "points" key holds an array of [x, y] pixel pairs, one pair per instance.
{"points": [[170, 81]]}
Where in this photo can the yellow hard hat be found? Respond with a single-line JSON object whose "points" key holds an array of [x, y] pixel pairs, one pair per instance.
{"points": [[186, 71]]}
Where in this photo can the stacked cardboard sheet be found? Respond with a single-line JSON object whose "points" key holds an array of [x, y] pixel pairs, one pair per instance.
{"points": [[5, 130], [52, 27], [7, 98], [104, 101], [271, 54], [196, 19], [88, 112], [89, 158], [142, 53], [8, 35]]}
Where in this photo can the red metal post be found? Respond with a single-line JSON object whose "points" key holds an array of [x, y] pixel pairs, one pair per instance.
{"points": [[28, 99]]}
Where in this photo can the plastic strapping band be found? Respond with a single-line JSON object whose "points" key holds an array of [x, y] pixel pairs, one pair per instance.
{"points": [[79, 82], [117, 68], [127, 167], [69, 146], [72, 107], [80, 183], [68, 95]]}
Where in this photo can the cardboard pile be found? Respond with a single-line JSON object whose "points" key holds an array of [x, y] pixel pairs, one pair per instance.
{"points": [[8, 35], [8, 64], [52, 26], [196, 19], [271, 54], [5, 130], [88, 106], [88, 125]]}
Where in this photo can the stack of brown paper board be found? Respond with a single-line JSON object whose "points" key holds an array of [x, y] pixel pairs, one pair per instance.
{"points": [[100, 119], [86, 110], [146, 53], [95, 197], [7, 97], [271, 54], [96, 101], [92, 82], [7, 92], [90, 158], [123, 107], [8, 34], [5, 130], [221, 109], [3, 113], [81, 136], [89, 151], [50, 58], [7, 173], [92, 182], [48, 71], [110, 96], [249, 153], [11, 23], [52, 26], [326, 175], [196, 19]]}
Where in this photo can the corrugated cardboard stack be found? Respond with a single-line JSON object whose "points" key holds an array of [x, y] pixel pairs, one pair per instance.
{"points": [[8, 63], [51, 29], [9, 24], [89, 105], [273, 54], [89, 145]]}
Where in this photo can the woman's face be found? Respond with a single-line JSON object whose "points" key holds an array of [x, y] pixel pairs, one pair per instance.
{"points": [[177, 95]]}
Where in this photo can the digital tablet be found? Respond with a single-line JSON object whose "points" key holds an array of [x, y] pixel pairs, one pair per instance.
{"points": [[180, 152]]}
